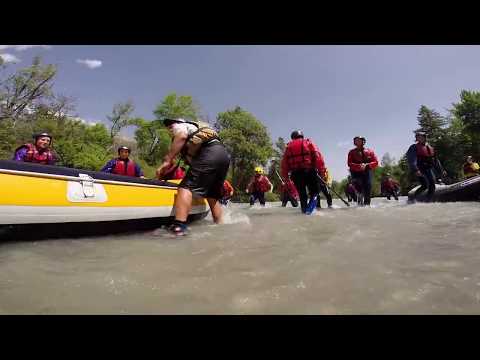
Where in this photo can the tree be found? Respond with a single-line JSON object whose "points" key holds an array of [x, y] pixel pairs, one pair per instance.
{"points": [[275, 163], [247, 141], [466, 122], [387, 160], [177, 106], [25, 90], [120, 117], [430, 122], [153, 140]]}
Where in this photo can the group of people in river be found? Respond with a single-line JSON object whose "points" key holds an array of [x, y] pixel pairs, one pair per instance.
{"points": [[303, 172]]}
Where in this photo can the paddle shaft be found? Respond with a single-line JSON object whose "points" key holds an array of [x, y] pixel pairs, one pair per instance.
{"points": [[329, 188]]}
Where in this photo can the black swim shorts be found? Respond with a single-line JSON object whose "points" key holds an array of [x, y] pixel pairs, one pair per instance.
{"points": [[208, 171]]}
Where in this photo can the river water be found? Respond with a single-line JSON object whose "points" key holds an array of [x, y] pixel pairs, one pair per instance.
{"points": [[392, 258]]}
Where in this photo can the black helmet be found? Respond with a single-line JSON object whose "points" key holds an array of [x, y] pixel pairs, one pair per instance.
{"points": [[296, 134], [123, 148], [421, 133], [360, 137], [43, 134], [168, 121]]}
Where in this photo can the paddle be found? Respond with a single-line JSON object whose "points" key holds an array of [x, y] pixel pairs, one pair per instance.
{"points": [[329, 188], [281, 179]]}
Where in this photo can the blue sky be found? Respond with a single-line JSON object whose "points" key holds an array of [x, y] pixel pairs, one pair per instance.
{"points": [[332, 93]]}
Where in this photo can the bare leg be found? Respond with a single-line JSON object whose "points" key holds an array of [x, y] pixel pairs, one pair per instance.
{"points": [[183, 204], [216, 208]]}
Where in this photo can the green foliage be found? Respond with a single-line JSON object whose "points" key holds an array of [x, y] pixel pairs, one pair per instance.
{"points": [[276, 160], [177, 106], [247, 141], [120, 117], [153, 141], [27, 89], [271, 197]]}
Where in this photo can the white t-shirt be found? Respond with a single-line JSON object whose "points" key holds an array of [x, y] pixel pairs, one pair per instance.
{"points": [[183, 129]]}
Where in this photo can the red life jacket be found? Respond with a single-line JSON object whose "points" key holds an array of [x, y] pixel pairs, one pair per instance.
{"points": [[290, 188], [425, 155], [34, 156], [357, 157], [260, 184], [120, 169], [227, 188], [425, 151], [299, 154], [389, 184]]}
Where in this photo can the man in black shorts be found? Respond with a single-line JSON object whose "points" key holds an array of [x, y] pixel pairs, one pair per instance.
{"points": [[209, 161]]}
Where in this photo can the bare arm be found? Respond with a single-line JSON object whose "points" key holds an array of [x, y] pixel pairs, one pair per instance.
{"points": [[175, 148]]}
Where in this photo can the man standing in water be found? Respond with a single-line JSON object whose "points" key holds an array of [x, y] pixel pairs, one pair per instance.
{"points": [[389, 187], [304, 162], [361, 162], [423, 161], [39, 152], [209, 161], [258, 186]]}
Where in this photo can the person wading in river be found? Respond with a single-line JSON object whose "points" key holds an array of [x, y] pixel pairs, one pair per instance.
{"points": [[389, 187], [422, 161], [289, 193], [200, 147], [303, 163], [258, 186], [361, 162], [227, 192]]}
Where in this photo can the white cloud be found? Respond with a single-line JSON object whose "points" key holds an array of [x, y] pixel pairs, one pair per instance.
{"points": [[23, 47], [342, 144], [9, 58], [91, 64]]}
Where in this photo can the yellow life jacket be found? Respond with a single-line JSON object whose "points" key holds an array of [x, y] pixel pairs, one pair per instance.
{"points": [[329, 180], [470, 170]]}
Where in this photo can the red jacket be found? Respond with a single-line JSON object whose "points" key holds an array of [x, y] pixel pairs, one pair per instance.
{"points": [[227, 189], [260, 184], [389, 185], [302, 154], [289, 187], [356, 158]]}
